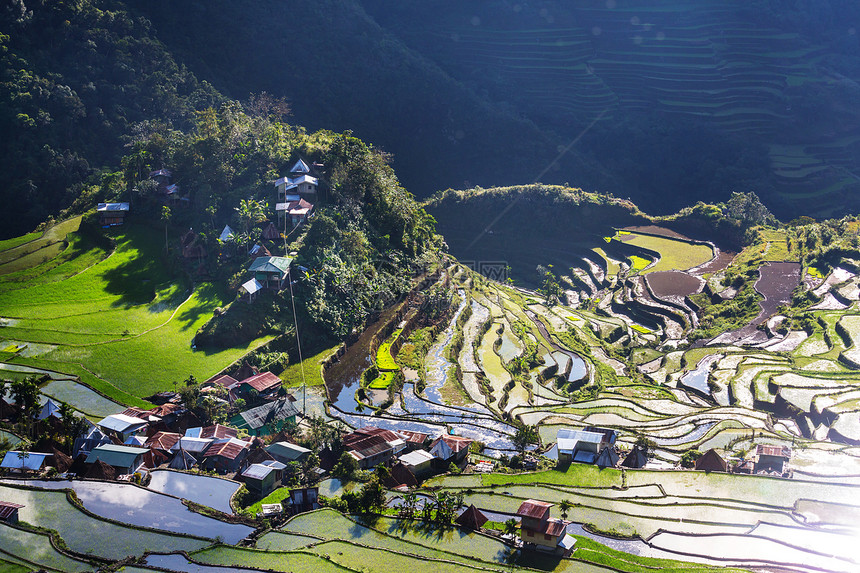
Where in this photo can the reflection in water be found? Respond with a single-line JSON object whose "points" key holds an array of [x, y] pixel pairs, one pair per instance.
{"points": [[209, 491], [698, 379], [138, 506], [176, 562]]}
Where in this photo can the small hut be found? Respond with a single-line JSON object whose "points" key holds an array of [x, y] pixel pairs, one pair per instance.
{"points": [[101, 470], [472, 518], [711, 462], [608, 458], [271, 232], [637, 458]]}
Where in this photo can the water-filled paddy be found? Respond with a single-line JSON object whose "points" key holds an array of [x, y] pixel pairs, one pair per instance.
{"points": [[138, 506], [209, 491]]}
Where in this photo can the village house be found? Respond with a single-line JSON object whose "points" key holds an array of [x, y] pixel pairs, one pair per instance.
{"points": [[225, 456], [122, 426], [419, 462], [193, 446], [266, 419], [162, 441], [298, 182], [414, 440], [263, 478], [371, 446], [304, 499], [9, 512], [17, 461], [271, 272], [472, 518], [216, 432], [112, 214], [450, 449], [637, 458], [540, 531], [286, 452], [124, 459], [293, 211], [262, 385], [772, 459], [579, 446]]}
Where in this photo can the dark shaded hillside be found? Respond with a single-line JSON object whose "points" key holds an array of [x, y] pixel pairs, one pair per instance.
{"points": [[340, 70], [74, 77], [700, 98]]}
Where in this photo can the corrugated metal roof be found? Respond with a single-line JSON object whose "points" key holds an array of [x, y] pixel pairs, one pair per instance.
{"points": [[8, 509], [416, 458], [263, 381], [300, 167], [219, 432], [270, 412], [777, 451], [413, 437], [105, 207], [252, 286], [162, 440], [122, 423], [192, 445], [534, 509], [113, 455], [554, 527], [257, 471], [271, 264], [287, 450], [231, 449], [32, 461], [224, 380]]}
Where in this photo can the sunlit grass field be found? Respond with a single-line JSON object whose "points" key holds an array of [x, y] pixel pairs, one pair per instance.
{"points": [[118, 320]]}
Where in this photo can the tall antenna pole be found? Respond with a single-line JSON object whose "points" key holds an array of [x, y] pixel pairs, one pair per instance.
{"points": [[299, 345]]}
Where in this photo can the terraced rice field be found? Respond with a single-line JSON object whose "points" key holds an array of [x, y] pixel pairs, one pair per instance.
{"points": [[109, 319]]}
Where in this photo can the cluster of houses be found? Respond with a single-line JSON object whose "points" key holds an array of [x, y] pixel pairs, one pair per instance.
{"points": [[594, 445], [411, 456]]}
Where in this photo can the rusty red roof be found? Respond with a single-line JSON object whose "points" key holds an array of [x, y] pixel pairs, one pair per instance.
{"points": [[456, 443], [534, 509], [413, 437], [777, 451], [162, 440], [229, 449], [218, 432], [139, 413], [224, 380], [165, 409], [554, 527], [262, 382], [7, 509]]}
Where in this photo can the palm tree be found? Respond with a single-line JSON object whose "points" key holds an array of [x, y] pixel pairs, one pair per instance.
{"points": [[166, 214], [565, 506], [511, 526], [250, 212]]}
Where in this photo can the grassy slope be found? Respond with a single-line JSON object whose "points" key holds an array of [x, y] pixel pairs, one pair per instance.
{"points": [[122, 320]]}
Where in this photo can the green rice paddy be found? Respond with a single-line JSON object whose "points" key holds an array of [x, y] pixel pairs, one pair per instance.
{"points": [[116, 318]]}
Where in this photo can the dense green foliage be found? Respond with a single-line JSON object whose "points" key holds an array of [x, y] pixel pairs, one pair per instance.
{"points": [[74, 77]]}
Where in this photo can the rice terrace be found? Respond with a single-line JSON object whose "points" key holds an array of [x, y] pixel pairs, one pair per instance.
{"points": [[232, 343]]}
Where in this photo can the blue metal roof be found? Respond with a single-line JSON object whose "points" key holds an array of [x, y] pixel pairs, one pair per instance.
{"points": [[27, 460]]}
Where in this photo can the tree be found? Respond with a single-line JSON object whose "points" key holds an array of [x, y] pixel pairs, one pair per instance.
{"points": [[550, 288], [511, 526], [372, 496], [72, 425], [249, 213], [524, 436], [565, 506], [688, 458], [166, 215], [345, 468], [26, 394]]}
